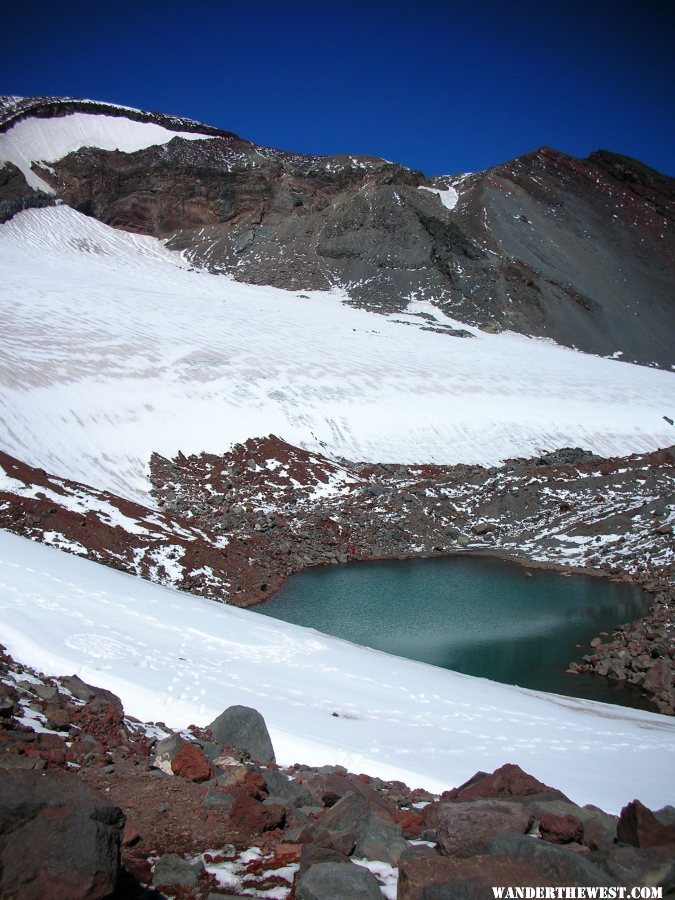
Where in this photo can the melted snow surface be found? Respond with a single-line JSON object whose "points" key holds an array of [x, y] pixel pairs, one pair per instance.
{"points": [[113, 348], [180, 659], [47, 140]]}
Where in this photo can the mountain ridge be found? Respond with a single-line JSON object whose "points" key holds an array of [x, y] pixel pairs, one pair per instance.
{"points": [[545, 244]]}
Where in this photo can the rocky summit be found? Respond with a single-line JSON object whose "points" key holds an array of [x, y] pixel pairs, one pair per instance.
{"points": [[579, 251]]}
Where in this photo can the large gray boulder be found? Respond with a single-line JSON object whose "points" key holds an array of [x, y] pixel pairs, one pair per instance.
{"points": [[172, 869], [338, 881], [350, 827], [555, 863], [244, 729], [59, 838]]}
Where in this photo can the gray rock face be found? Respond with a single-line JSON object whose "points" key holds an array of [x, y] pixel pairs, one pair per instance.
{"points": [[58, 838], [166, 750], [244, 729], [466, 829], [530, 246], [338, 881], [172, 869], [352, 827], [423, 877], [285, 790], [88, 692], [559, 865]]}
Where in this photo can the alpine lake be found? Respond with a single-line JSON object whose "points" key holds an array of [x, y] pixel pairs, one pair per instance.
{"points": [[473, 614]]}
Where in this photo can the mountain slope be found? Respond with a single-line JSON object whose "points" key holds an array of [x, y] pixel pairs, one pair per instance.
{"points": [[582, 251], [114, 350]]}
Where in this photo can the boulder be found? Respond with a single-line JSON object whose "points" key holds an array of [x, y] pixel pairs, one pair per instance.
{"points": [[555, 863], [599, 826], [380, 840], [468, 829], [58, 838], [639, 826], [339, 827], [88, 692], [165, 752], [244, 729], [351, 827], [423, 877], [337, 881], [505, 782], [659, 678], [310, 854], [631, 865], [172, 869], [191, 764], [281, 786], [566, 829]]}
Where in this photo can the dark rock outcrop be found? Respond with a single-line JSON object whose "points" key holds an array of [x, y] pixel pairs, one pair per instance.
{"points": [[73, 835], [244, 729], [337, 881], [530, 245], [556, 863]]}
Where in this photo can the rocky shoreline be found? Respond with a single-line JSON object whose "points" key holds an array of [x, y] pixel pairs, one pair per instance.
{"points": [[140, 811]]}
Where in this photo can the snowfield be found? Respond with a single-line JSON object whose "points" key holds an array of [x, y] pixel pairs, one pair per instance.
{"points": [[47, 140], [181, 659], [114, 348]]}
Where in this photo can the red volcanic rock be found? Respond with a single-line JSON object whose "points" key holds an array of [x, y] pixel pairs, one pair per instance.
{"points": [[639, 826], [191, 763], [253, 817], [412, 823], [507, 781], [103, 721], [285, 854], [472, 879], [565, 829]]}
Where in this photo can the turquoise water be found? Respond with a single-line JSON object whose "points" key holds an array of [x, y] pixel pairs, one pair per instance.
{"points": [[477, 615]]}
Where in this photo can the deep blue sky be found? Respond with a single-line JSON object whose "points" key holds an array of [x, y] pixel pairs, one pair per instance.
{"points": [[444, 87]]}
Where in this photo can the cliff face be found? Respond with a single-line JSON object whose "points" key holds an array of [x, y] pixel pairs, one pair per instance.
{"points": [[581, 251]]}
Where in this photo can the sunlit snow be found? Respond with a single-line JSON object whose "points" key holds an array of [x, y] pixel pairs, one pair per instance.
{"points": [[448, 196], [113, 348], [183, 659]]}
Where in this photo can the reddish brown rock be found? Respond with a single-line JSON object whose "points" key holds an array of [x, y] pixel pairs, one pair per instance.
{"points": [[285, 854], [639, 826], [253, 817], [412, 823], [507, 781], [130, 836], [566, 829], [190, 763], [467, 829], [471, 879]]}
